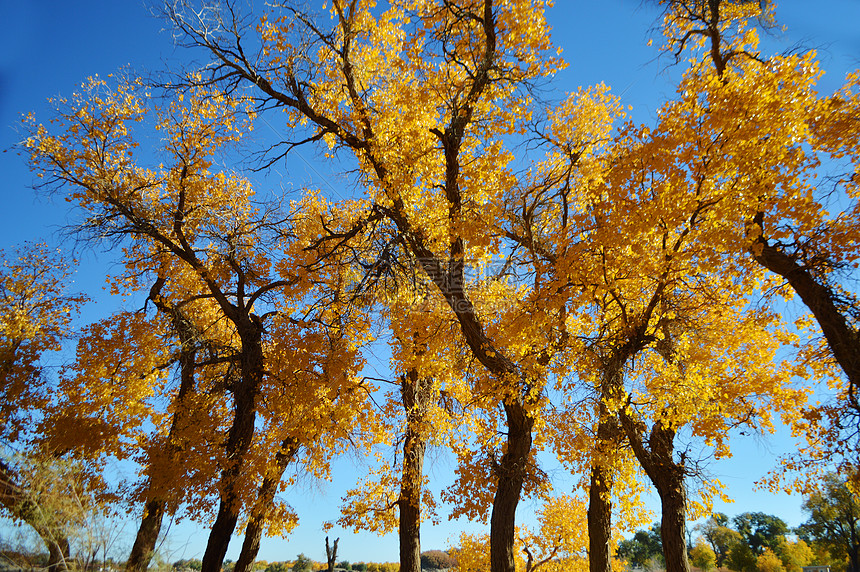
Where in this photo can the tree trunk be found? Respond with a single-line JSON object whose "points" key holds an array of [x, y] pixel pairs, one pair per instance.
{"points": [[599, 520], [673, 525], [415, 392], [153, 511], [58, 553], [658, 462], [510, 476], [842, 339], [239, 440], [147, 535], [15, 499], [600, 495], [331, 553]]}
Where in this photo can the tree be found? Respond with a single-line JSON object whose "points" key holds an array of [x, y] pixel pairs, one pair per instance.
{"points": [[721, 538], [703, 556], [35, 317], [834, 520], [808, 248], [413, 416], [795, 555], [668, 318], [471, 553], [287, 373], [741, 558], [66, 506], [644, 547], [502, 54], [561, 540], [768, 561], [38, 504], [761, 531], [331, 553]]}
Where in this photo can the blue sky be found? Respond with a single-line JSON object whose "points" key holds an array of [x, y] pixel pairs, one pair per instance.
{"points": [[48, 48]]}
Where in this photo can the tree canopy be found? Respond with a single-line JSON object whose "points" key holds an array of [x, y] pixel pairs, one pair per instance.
{"points": [[551, 278]]}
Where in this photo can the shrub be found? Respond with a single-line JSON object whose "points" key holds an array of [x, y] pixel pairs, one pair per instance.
{"points": [[437, 560], [302, 564]]}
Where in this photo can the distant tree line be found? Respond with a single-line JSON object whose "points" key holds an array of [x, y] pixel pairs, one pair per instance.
{"points": [[759, 542]]}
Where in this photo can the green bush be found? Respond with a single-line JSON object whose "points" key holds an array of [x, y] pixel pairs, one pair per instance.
{"points": [[303, 564]]}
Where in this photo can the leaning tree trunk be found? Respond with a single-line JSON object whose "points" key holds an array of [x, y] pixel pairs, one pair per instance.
{"points": [[156, 505], [510, 476], [842, 339], [58, 553], [657, 460], [239, 440], [147, 536], [15, 499], [265, 498], [416, 394]]}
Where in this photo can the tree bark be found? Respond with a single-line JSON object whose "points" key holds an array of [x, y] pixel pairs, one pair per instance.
{"points": [[416, 394], [239, 440], [600, 496], [843, 340], [657, 460], [156, 506], [263, 505], [331, 553], [147, 536], [510, 476]]}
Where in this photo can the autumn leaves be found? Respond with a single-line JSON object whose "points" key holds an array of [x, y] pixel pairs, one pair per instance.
{"points": [[627, 315]]}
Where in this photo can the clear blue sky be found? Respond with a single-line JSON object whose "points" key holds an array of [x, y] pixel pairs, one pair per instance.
{"points": [[49, 47]]}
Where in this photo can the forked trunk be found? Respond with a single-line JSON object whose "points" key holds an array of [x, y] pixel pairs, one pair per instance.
{"points": [[510, 475], [331, 553]]}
